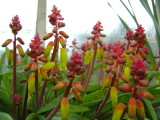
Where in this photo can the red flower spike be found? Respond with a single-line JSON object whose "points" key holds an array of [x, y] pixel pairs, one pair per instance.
{"points": [[129, 35], [55, 17], [144, 93], [16, 98], [54, 70], [76, 58]]}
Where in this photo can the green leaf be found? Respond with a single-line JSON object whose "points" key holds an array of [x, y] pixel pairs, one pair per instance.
{"points": [[34, 116], [48, 65], [78, 109], [150, 109], [5, 116]]}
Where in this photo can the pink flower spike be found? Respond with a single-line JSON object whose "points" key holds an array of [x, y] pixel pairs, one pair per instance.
{"points": [[15, 19]]}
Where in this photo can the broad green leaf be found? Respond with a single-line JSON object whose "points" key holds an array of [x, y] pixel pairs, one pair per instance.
{"points": [[78, 109], [34, 116], [5, 116], [150, 109]]}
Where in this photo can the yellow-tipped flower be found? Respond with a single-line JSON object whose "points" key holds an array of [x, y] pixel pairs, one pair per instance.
{"points": [[48, 48], [78, 86], [7, 42], [87, 56], [31, 86], [62, 41], [144, 93], [129, 61], [77, 95], [118, 112], [20, 50], [140, 110], [106, 81], [123, 77], [10, 57], [63, 59], [43, 72], [99, 53], [34, 66], [28, 66], [59, 85], [127, 72], [132, 107], [48, 65], [64, 108], [47, 36], [114, 96], [63, 34]]}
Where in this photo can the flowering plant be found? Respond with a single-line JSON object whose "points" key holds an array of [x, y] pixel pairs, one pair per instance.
{"points": [[52, 85]]}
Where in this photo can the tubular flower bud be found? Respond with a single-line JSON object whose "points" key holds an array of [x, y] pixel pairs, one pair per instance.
{"points": [[34, 66], [142, 54], [102, 35], [86, 57], [48, 65], [62, 41], [10, 57], [28, 66], [20, 40], [20, 50], [129, 61], [144, 93], [63, 34], [109, 62], [54, 30], [143, 83], [48, 48], [61, 24], [140, 110], [125, 88], [31, 86], [106, 81], [118, 112], [130, 50], [7, 42], [132, 107], [63, 59], [64, 108], [123, 77], [77, 95], [114, 96], [91, 44], [59, 85], [42, 59], [99, 41], [47, 36], [43, 72], [78, 86], [99, 53], [127, 72]]}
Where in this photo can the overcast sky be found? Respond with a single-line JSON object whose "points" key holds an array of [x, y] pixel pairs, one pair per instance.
{"points": [[80, 15]]}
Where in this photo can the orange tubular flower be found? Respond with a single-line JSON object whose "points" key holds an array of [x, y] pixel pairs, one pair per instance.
{"points": [[132, 107], [140, 110], [64, 108]]}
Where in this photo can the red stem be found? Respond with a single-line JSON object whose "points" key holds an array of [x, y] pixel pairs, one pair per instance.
{"points": [[36, 87], [14, 74], [104, 100], [55, 110]]}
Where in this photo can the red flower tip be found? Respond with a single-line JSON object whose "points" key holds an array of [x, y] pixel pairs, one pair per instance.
{"points": [[54, 70], [15, 20], [85, 46], [139, 64], [98, 27], [76, 58], [129, 35], [16, 98], [140, 29], [55, 16]]}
